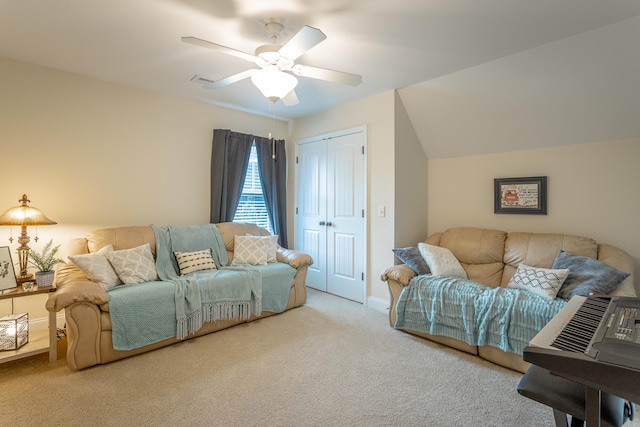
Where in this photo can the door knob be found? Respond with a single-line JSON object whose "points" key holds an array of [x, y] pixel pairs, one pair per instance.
{"points": [[329, 224], [321, 223]]}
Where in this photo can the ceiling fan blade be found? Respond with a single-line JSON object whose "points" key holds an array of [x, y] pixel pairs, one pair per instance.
{"points": [[218, 47], [231, 79], [301, 42], [327, 75], [290, 99]]}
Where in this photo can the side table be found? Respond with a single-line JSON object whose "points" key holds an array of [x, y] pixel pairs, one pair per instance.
{"points": [[39, 341]]}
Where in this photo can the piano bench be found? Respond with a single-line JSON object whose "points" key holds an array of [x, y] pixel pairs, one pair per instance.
{"points": [[567, 397]]}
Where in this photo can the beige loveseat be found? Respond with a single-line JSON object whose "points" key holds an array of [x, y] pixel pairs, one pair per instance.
{"points": [[491, 257], [86, 304]]}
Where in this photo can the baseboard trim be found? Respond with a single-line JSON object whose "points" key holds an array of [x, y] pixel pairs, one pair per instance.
{"points": [[378, 304], [42, 323]]}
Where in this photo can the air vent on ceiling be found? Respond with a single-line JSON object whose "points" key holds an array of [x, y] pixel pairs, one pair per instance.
{"points": [[201, 80]]}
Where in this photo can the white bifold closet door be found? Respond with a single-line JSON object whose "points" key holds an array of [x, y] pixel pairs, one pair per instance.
{"points": [[330, 213]]}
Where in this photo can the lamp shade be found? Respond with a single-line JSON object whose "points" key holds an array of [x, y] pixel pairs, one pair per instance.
{"points": [[24, 215], [273, 83]]}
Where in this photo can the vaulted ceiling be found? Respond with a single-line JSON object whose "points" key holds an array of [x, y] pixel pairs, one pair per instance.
{"points": [[564, 61]]}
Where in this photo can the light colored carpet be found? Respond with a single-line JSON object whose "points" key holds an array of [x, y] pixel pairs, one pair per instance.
{"points": [[328, 363]]}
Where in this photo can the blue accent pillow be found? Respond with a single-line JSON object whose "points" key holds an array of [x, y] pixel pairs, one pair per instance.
{"points": [[412, 257], [587, 275]]}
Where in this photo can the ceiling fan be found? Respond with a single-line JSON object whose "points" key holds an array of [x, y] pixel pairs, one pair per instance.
{"points": [[275, 62]]}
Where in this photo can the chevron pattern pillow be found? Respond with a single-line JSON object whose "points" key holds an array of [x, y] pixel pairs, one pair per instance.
{"points": [[190, 262], [249, 250], [545, 282], [134, 265]]}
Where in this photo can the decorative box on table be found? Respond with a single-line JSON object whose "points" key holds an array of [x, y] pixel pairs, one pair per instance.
{"points": [[14, 331]]}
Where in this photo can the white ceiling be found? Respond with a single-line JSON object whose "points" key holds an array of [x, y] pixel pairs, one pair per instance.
{"points": [[392, 44]]}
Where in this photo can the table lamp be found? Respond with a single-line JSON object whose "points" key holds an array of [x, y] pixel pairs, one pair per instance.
{"points": [[23, 216]]}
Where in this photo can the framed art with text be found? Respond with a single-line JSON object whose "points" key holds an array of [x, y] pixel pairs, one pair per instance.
{"points": [[520, 195], [7, 273]]}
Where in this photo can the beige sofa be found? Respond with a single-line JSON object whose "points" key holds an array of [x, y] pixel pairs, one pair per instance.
{"points": [[491, 257], [86, 304]]}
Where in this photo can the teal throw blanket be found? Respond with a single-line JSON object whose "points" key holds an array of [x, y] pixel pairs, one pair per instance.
{"points": [[476, 314], [142, 314], [230, 293], [145, 313]]}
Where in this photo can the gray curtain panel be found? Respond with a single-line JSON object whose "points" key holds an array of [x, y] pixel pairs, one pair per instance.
{"points": [[273, 174], [229, 163]]}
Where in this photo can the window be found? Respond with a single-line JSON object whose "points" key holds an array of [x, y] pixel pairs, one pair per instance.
{"points": [[252, 207]]}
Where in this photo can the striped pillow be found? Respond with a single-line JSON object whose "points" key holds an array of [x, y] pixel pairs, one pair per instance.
{"points": [[190, 262]]}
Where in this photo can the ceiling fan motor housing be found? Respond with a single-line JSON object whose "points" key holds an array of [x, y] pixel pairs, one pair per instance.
{"points": [[268, 55]]}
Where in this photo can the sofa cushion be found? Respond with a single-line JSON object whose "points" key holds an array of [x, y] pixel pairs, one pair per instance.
{"points": [[441, 261], [98, 268], [479, 250], [190, 262], [249, 250], [412, 257], [122, 238], [540, 250], [134, 265], [229, 230], [587, 275], [545, 282]]}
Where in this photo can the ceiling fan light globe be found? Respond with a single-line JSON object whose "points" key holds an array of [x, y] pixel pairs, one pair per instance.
{"points": [[273, 83]]}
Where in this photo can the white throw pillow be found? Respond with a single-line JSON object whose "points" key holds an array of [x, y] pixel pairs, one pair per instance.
{"points": [[542, 281], [134, 265], [272, 246], [441, 261], [98, 268], [190, 262], [249, 250]]}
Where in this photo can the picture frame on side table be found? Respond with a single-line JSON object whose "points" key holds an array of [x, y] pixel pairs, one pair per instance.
{"points": [[7, 273], [527, 195]]}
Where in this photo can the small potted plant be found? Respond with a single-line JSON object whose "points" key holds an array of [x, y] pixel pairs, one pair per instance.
{"points": [[44, 262]]}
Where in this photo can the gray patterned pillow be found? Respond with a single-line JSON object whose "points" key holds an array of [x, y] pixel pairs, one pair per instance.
{"points": [[272, 246], [545, 282], [249, 250], [134, 265], [587, 275], [412, 257]]}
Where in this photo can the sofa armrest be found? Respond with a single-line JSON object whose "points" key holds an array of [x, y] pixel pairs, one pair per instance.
{"points": [[73, 286], [401, 273], [294, 258]]}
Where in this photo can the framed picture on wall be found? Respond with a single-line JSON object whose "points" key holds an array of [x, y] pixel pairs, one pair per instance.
{"points": [[7, 273], [520, 195]]}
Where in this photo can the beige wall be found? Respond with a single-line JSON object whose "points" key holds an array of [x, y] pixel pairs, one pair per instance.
{"points": [[592, 192], [94, 154], [377, 114], [410, 182]]}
